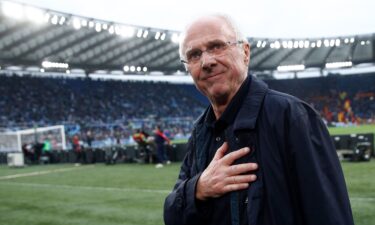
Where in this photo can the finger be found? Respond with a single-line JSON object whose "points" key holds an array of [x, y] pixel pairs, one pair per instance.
{"points": [[231, 157], [221, 151], [241, 168], [235, 187], [241, 179]]}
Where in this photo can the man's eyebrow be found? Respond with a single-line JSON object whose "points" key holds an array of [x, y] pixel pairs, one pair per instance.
{"points": [[188, 49], [213, 41]]}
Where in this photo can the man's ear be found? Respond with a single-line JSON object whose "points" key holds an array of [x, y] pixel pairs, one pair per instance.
{"points": [[246, 52]]}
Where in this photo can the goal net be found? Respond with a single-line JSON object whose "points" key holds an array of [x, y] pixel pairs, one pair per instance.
{"points": [[13, 141]]}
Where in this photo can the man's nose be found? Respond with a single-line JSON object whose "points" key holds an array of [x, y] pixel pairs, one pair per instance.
{"points": [[207, 60]]}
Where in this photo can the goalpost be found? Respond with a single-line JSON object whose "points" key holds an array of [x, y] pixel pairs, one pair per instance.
{"points": [[13, 141]]}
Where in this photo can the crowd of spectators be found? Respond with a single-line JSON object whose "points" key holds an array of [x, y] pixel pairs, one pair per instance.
{"points": [[341, 100], [84, 101], [110, 111], [105, 106]]}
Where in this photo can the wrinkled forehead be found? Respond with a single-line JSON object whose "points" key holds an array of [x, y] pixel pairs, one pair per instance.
{"points": [[205, 30]]}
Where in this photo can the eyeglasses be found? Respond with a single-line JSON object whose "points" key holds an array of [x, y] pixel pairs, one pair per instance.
{"points": [[215, 48]]}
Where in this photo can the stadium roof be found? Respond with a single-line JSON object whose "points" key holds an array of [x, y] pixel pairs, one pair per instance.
{"points": [[261, 18], [33, 37]]}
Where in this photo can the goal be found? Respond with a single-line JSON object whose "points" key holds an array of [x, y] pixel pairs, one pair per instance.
{"points": [[14, 140]]}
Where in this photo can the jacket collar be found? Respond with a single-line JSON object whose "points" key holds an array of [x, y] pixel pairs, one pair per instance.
{"points": [[248, 113]]}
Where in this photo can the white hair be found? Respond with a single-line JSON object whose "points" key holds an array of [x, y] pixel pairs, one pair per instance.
{"points": [[227, 19]]}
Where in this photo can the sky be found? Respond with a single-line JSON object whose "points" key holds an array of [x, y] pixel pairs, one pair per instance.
{"points": [[262, 18]]}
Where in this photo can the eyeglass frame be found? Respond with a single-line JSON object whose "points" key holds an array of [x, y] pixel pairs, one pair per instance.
{"points": [[228, 44]]}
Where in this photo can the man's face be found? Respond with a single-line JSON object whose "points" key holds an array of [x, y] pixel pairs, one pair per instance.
{"points": [[216, 76]]}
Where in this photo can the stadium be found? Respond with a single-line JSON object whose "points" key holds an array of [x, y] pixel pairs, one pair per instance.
{"points": [[68, 80]]}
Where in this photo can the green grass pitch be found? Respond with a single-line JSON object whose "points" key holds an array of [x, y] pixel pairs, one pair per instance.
{"points": [[370, 128], [123, 194]]}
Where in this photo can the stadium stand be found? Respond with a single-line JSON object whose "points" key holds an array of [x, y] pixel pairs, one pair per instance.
{"points": [[103, 106], [339, 99], [107, 107]]}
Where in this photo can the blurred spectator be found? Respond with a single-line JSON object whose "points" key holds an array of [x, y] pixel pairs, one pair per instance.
{"points": [[77, 148], [161, 140], [141, 138], [89, 138]]}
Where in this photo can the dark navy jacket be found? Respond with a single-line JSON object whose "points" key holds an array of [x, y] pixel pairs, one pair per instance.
{"points": [[300, 181]]}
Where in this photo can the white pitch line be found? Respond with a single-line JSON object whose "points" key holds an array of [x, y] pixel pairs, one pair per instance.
{"points": [[159, 191], [360, 199], [72, 187], [39, 173]]}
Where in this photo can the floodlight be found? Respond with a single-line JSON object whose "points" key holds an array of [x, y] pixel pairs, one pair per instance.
{"points": [[67, 71], [319, 43], [145, 34], [335, 65], [47, 64], [301, 44], [285, 44], [337, 42], [352, 40], [144, 69], [162, 37], [117, 30], [295, 45], [91, 24], [332, 43], [76, 23], [306, 44], [132, 68], [47, 16], [139, 33], [313, 45], [98, 27], [259, 44], [157, 35], [126, 68], [105, 26], [290, 68], [290, 44], [55, 19], [111, 29], [326, 43], [62, 20], [277, 45], [139, 68]]}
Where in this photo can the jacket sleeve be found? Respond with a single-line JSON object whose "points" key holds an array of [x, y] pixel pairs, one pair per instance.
{"points": [[317, 173], [180, 206]]}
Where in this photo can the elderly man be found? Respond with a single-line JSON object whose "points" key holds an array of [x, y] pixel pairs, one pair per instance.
{"points": [[256, 156]]}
